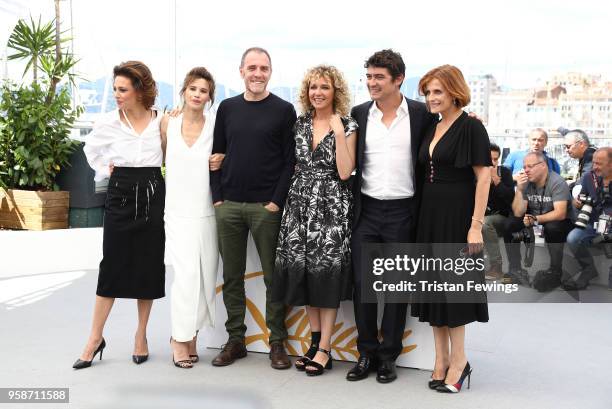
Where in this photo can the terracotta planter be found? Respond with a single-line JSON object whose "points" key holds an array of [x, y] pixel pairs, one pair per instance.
{"points": [[29, 210]]}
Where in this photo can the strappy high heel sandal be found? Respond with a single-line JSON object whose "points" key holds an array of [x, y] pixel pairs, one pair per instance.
{"points": [[183, 363], [195, 357], [318, 368], [300, 363]]}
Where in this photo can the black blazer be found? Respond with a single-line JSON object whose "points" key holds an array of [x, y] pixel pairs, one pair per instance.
{"points": [[420, 120]]}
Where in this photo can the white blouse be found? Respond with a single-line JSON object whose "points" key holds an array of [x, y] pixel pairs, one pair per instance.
{"points": [[113, 142]]}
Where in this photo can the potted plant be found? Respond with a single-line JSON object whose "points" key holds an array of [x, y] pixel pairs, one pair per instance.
{"points": [[35, 124]]}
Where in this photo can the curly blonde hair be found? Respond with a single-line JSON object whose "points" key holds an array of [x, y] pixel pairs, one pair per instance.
{"points": [[342, 98]]}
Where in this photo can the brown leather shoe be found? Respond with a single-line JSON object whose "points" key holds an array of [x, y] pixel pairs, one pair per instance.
{"points": [[231, 351], [278, 356], [494, 273]]}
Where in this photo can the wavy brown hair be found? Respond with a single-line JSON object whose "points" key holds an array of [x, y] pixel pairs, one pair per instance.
{"points": [[142, 80], [342, 98], [199, 73], [452, 80]]}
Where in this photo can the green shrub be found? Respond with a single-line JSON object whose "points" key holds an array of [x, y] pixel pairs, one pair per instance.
{"points": [[35, 135], [36, 118]]}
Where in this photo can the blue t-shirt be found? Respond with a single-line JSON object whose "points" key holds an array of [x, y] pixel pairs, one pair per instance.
{"points": [[514, 162]]}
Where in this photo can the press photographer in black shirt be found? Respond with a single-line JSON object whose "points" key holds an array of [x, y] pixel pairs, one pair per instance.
{"points": [[594, 222], [499, 206]]}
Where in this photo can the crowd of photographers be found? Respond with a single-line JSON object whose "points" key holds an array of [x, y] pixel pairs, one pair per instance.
{"points": [[529, 201]]}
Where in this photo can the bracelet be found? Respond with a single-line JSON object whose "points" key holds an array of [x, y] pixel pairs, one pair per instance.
{"points": [[478, 220]]}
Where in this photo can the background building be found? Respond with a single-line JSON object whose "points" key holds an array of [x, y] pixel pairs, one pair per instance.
{"points": [[570, 100], [481, 89]]}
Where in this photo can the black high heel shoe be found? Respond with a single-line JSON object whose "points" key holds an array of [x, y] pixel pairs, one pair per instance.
{"points": [[434, 383], [138, 359], [456, 388], [80, 364], [300, 363], [319, 369]]}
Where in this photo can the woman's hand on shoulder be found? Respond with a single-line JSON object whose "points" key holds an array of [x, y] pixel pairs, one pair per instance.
{"points": [[336, 125], [474, 115], [174, 112]]}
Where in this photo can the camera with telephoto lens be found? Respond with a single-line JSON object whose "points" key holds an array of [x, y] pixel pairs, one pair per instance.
{"points": [[604, 228], [527, 236], [582, 220]]}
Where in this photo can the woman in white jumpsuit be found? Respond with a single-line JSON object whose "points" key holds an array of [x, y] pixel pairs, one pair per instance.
{"points": [[191, 236]]}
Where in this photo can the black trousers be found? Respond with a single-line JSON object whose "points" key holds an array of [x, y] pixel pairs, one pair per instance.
{"points": [[555, 235], [381, 221]]}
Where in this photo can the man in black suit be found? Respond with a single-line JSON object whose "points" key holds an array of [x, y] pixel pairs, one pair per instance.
{"points": [[391, 127]]}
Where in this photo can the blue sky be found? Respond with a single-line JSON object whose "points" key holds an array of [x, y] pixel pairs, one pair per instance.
{"points": [[517, 41]]}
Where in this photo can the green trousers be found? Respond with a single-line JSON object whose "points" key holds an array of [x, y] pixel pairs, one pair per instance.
{"points": [[234, 221], [492, 230]]}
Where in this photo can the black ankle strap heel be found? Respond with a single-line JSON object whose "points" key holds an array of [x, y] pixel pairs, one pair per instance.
{"points": [[318, 368]]}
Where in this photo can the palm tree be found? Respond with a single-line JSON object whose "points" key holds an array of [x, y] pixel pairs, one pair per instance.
{"points": [[41, 46], [31, 42], [55, 78]]}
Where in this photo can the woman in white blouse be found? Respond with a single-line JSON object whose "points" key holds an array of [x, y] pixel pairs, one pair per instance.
{"points": [[189, 216], [125, 145]]}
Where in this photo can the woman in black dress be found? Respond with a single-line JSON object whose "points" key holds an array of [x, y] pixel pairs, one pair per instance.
{"points": [[313, 253], [125, 144], [455, 156]]}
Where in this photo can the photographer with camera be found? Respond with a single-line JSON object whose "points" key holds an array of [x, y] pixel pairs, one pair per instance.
{"points": [[594, 221], [540, 207], [578, 146], [499, 207]]}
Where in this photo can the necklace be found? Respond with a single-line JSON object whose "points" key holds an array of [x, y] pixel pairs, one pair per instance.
{"points": [[130, 124]]}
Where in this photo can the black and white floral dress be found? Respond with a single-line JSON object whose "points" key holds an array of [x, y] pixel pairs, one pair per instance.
{"points": [[313, 257]]}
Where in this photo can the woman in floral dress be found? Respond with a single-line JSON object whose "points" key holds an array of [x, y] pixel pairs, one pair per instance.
{"points": [[313, 260]]}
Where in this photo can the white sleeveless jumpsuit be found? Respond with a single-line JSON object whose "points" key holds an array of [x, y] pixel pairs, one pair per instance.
{"points": [[191, 234]]}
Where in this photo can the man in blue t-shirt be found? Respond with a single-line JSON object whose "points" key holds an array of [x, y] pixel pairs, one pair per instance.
{"points": [[596, 184], [538, 138]]}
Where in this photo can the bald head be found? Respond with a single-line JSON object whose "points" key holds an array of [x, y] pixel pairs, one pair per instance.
{"points": [[602, 162], [538, 138], [535, 167], [606, 150]]}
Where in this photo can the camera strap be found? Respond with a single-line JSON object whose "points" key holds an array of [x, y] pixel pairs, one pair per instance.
{"points": [[602, 197], [595, 182]]}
